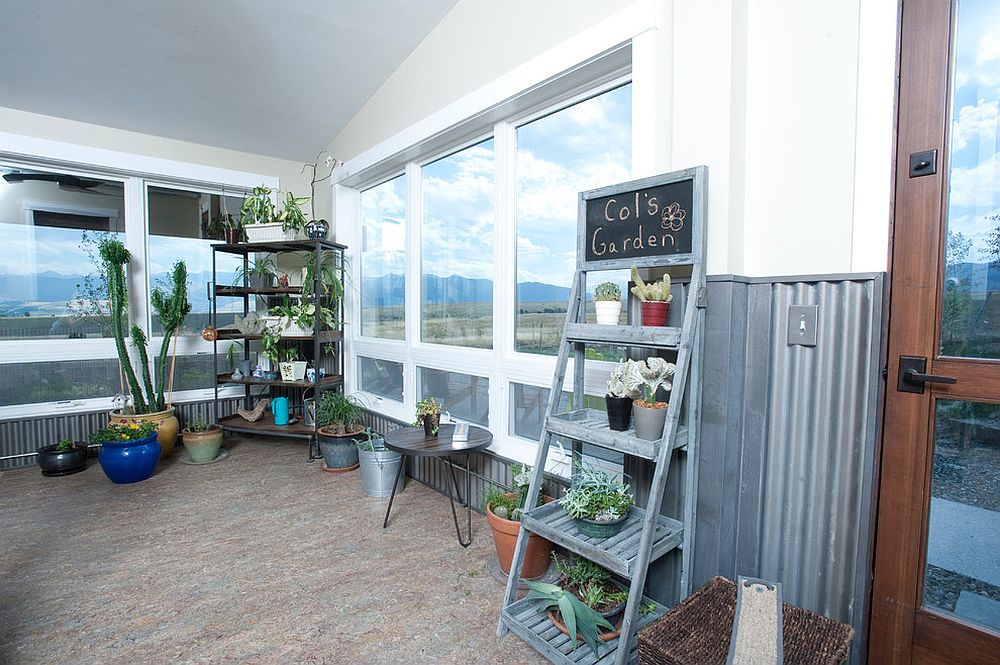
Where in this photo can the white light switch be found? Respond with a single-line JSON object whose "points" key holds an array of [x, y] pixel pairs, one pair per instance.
{"points": [[802, 324]]}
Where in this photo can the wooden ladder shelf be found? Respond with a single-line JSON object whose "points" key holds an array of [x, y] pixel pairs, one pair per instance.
{"points": [[621, 226]]}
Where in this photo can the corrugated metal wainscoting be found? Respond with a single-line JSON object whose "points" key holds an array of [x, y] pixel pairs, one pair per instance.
{"points": [[789, 442]]}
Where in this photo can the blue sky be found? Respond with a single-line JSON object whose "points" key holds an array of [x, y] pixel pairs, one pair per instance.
{"points": [[974, 191]]}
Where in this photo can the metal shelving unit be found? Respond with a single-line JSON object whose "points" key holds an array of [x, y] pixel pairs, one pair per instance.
{"points": [[647, 535], [323, 250]]}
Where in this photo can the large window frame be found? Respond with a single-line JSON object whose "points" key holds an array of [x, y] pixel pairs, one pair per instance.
{"points": [[501, 365], [136, 173]]}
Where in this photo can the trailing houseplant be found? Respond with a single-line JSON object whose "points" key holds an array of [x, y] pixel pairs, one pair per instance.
{"points": [[341, 424], [619, 397], [428, 413], [581, 621], [503, 513], [148, 401], [649, 376], [129, 451], [62, 458], [608, 303], [597, 502], [202, 440], [655, 298], [270, 348]]}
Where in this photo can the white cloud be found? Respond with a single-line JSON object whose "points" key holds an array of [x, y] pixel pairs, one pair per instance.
{"points": [[977, 186], [977, 123]]}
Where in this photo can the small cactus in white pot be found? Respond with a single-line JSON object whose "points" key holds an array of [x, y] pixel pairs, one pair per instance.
{"points": [[608, 303]]}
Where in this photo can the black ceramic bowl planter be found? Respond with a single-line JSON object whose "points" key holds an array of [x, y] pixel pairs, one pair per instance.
{"points": [[55, 462]]}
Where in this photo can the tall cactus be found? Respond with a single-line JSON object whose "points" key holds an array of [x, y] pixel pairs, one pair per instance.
{"points": [[172, 310], [139, 342], [115, 257]]}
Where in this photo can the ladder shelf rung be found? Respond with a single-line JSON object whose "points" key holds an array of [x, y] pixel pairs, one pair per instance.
{"points": [[617, 553], [528, 620], [638, 336], [591, 426]]}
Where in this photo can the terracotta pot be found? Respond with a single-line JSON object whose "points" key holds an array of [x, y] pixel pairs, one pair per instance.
{"points": [[537, 555], [655, 313], [233, 236], [166, 427]]}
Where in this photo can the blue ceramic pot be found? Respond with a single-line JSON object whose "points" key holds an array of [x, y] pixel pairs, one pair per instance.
{"points": [[129, 461]]}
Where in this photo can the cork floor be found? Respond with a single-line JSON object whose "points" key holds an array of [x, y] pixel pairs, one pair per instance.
{"points": [[261, 558]]}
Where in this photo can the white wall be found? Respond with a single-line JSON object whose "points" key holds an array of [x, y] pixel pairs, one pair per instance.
{"points": [[49, 128], [789, 104]]}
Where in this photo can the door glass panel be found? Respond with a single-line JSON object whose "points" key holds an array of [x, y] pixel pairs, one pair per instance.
{"points": [[962, 573], [970, 310]]}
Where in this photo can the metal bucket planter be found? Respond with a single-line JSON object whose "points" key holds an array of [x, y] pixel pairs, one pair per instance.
{"points": [[378, 470]]}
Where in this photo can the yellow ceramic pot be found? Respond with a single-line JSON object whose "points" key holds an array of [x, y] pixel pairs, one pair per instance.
{"points": [[166, 427]]}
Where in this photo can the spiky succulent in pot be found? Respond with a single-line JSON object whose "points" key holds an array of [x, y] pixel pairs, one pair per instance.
{"points": [[578, 617], [607, 291], [510, 505], [652, 292], [596, 496]]}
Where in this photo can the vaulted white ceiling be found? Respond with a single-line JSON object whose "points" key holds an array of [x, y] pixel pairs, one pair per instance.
{"points": [[272, 77]]}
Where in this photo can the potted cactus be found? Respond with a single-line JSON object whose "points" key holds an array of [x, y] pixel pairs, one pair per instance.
{"points": [[648, 376], [619, 398], [655, 298], [608, 303]]}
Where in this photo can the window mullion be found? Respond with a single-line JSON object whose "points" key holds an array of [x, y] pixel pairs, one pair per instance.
{"points": [[412, 262], [504, 269]]}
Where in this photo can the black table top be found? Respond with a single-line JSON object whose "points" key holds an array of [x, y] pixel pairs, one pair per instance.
{"points": [[413, 441]]}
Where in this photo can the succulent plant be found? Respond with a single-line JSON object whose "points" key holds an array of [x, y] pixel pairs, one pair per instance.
{"points": [[649, 375], [617, 386], [608, 291], [652, 292]]}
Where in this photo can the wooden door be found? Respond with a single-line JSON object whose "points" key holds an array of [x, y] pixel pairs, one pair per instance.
{"points": [[936, 595]]}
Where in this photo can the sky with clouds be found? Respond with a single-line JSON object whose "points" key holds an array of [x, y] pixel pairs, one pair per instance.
{"points": [[974, 189]]}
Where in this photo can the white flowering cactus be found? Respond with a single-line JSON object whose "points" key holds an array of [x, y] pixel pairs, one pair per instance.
{"points": [[618, 385]]}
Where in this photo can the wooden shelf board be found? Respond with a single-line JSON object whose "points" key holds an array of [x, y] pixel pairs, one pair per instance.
{"points": [[636, 336], [265, 425], [591, 426], [528, 620], [272, 247], [325, 382], [324, 336], [246, 290], [617, 553]]}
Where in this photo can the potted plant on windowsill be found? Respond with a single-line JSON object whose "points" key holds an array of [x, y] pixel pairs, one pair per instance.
{"points": [[503, 513], [655, 298], [608, 303], [63, 458], [597, 502], [649, 376], [428, 414], [129, 451], [202, 441], [341, 425], [619, 398], [149, 401]]}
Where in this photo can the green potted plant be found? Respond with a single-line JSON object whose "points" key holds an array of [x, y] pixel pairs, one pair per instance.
{"points": [[270, 348], [655, 298], [580, 621], [63, 458], [148, 399], [649, 376], [503, 514], [329, 282], [291, 368], [597, 502], [225, 227], [608, 303], [129, 451], [428, 413], [202, 441], [593, 585], [379, 466], [341, 425], [619, 398], [258, 217], [292, 219], [259, 274]]}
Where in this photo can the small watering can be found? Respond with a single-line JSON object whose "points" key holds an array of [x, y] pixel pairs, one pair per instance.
{"points": [[279, 408]]}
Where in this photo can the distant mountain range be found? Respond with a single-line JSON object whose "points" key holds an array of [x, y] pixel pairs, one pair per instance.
{"points": [[386, 291]]}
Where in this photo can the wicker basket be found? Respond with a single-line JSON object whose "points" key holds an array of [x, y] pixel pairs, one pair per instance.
{"points": [[697, 630]]}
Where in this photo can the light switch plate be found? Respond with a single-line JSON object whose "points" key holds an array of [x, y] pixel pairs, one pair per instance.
{"points": [[802, 324]]}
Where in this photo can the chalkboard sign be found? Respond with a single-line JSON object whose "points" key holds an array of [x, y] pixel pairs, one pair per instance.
{"points": [[638, 223]]}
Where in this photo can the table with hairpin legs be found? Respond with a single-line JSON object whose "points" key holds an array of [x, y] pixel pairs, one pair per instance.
{"points": [[412, 441]]}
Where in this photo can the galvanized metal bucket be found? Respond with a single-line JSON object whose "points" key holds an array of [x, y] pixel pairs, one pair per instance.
{"points": [[378, 470]]}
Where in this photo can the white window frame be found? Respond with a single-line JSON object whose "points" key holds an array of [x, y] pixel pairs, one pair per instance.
{"points": [[501, 365], [134, 171]]}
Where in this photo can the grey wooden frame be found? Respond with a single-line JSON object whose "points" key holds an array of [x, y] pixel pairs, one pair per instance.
{"points": [[624, 556]]}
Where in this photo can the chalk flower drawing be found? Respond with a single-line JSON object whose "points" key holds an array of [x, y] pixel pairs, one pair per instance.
{"points": [[673, 217]]}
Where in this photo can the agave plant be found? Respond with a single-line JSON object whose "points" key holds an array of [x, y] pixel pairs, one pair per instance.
{"points": [[652, 292], [576, 615]]}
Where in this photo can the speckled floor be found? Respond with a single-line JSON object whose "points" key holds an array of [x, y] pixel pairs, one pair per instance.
{"points": [[261, 558]]}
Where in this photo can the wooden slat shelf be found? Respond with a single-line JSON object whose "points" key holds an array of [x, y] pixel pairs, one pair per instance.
{"points": [[285, 246], [325, 382], [324, 336], [617, 553], [529, 621], [246, 290], [635, 336], [591, 426], [265, 425]]}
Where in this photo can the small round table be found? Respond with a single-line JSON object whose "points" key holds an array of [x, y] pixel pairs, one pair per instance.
{"points": [[413, 441]]}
